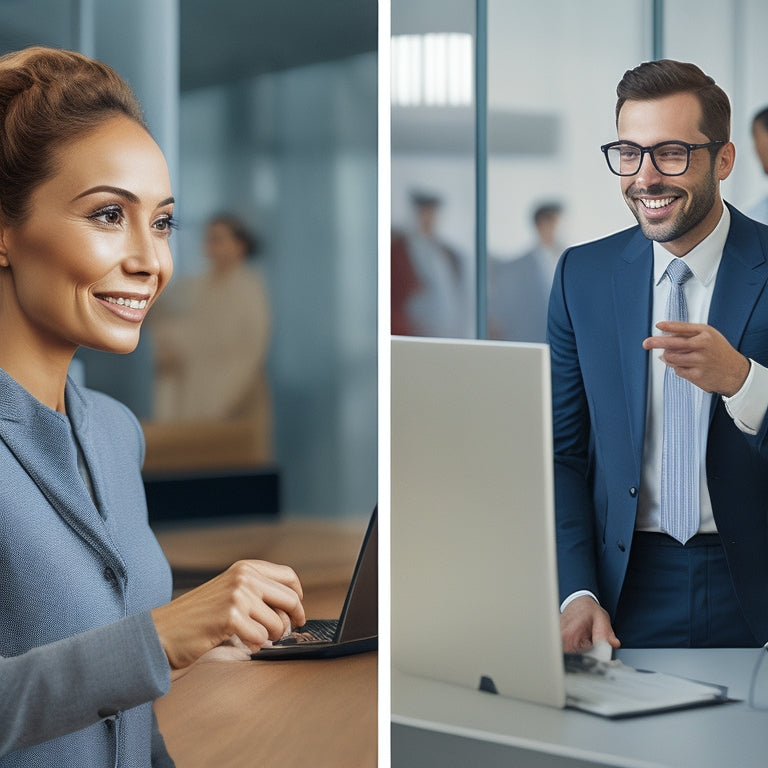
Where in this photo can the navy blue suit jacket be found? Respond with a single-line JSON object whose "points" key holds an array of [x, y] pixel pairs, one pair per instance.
{"points": [[599, 314]]}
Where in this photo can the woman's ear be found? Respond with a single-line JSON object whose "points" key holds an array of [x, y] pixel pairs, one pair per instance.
{"points": [[4, 260]]}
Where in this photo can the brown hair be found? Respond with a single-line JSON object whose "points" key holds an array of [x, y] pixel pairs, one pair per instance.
{"points": [[239, 231], [655, 79], [49, 97], [762, 118]]}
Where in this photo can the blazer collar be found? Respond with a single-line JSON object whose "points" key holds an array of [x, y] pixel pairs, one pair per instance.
{"points": [[632, 279], [43, 442], [740, 279]]}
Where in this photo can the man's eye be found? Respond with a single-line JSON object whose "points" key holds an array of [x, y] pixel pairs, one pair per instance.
{"points": [[673, 154]]}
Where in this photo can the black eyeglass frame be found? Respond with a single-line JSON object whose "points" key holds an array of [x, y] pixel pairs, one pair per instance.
{"points": [[652, 150]]}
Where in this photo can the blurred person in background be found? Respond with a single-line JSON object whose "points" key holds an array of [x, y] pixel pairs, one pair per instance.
{"points": [[429, 285], [518, 291], [211, 338], [760, 141]]}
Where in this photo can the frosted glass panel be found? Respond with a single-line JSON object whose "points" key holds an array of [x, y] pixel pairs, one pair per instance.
{"points": [[552, 74], [727, 40], [433, 168]]}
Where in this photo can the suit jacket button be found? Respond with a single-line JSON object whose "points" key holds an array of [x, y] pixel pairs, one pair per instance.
{"points": [[633, 491], [621, 545]]}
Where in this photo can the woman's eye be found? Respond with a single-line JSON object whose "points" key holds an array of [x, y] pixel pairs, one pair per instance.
{"points": [[166, 224], [111, 215]]}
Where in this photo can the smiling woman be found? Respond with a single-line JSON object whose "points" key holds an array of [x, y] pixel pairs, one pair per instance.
{"points": [[87, 637], [97, 232]]}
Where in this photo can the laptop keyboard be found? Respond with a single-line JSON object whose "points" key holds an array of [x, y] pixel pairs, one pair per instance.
{"points": [[611, 688], [314, 631]]}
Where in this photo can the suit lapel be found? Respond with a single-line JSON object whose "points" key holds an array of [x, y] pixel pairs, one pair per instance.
{"points": [[43, 443], [740, 281], [741, 278], [632, 295]]}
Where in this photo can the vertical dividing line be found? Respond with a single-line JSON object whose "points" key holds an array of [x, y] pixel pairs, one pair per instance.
{"points": [[658, 29], [481, 167], [82, 26]]}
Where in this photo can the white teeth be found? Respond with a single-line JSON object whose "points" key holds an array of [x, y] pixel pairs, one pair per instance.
{"points": [[132, 303], [656, 203]]}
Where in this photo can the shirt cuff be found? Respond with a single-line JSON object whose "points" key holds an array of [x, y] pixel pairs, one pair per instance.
{"points": [[748, 406], [579, 593]]}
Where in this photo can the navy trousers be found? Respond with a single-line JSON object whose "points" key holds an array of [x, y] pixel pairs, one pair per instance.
{"points": [[677, 596]]}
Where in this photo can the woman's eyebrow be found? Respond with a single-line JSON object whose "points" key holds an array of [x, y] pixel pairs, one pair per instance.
{"points": [[120, 192]]}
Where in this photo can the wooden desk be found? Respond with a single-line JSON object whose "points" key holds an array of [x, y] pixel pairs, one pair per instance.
{"points": [[241, 714]]}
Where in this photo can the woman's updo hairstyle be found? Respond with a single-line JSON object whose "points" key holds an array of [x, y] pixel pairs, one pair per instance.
{"points": [[49, 97]]}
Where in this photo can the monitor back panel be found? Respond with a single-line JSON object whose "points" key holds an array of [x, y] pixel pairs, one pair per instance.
{"points": [[473, 569]]}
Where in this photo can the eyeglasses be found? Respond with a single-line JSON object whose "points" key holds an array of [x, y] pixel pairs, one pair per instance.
{"points": [[670, 158]]}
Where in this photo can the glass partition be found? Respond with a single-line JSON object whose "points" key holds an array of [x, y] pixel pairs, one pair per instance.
{"points": [[727, 40], [552, 70], [433, 168], [274, 120], [552, 74]]}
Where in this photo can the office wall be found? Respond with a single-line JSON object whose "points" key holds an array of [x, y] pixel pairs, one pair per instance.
{"points": [[728, 41], [294, 154], [561, 61], [564, 60], [552, 73]]}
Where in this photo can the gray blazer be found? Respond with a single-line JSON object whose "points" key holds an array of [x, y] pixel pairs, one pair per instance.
{"points": [[80, 660]]}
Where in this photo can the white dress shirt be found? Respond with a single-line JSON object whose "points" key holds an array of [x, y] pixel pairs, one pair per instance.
{"points": [[747, 407]]}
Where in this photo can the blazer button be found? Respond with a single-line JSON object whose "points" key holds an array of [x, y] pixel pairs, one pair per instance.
{"points": [[621, 545], [633, 491], [109, 575]]}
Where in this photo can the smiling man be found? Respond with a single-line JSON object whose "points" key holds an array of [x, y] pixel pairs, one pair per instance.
{"points": [[659, 342]]}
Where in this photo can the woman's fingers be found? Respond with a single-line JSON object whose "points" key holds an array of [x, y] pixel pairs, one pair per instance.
{"points": [[255, 600]]}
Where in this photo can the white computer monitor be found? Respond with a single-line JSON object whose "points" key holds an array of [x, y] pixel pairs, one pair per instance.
{"points": [[473, 560]]}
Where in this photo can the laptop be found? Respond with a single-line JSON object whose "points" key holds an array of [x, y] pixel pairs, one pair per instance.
{"points": [[356, 630], [474, 590]]}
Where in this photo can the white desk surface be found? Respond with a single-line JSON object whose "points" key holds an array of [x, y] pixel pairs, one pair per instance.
{"points": [[730, 735]]}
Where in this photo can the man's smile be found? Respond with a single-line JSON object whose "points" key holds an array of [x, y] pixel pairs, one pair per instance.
{"points": [[656, 202]]}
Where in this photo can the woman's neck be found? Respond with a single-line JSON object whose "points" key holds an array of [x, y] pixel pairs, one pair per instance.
{"points": [[43, 376]]}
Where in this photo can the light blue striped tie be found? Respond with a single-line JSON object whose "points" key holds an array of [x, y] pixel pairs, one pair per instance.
{"points": [[680, 449]]}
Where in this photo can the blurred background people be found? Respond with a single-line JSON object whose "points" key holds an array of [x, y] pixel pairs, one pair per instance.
{"points": [[429, 285], [760, 140], [211, 337], [518, 291]]}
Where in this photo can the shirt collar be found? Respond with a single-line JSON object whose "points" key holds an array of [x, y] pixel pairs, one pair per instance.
{"points": [[703, 260]]}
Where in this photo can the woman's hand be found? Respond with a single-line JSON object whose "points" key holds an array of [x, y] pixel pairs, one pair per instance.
{"points": [[254, 600]]}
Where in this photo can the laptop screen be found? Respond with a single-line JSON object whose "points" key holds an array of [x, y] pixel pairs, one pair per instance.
{"points": [[360, 614]]}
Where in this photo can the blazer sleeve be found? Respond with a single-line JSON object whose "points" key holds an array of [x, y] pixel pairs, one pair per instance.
{"points": [[72, 683], [571, 440]]}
